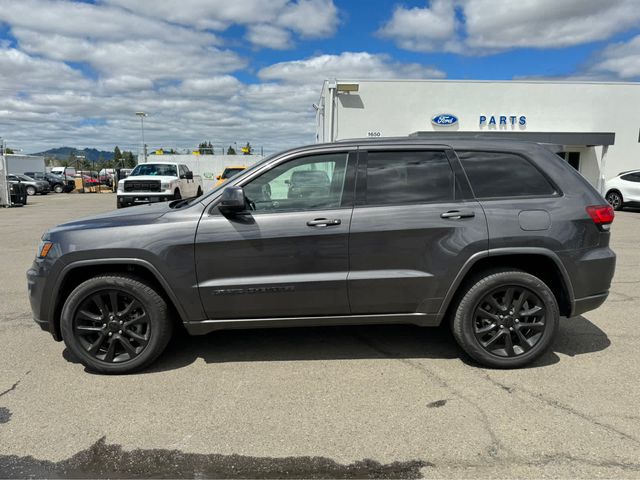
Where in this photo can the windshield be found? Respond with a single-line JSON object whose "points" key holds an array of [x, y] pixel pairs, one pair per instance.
{"points": [[157, 169], [231, 172]]}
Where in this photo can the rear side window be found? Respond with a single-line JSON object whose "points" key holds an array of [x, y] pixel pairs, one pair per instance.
{"points": [[396, 178], [500, 174]]}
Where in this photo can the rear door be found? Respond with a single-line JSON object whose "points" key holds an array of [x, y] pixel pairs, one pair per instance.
{"points": [[413, 227]]}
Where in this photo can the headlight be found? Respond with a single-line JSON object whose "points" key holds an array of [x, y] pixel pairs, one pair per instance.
{"points": [[121, 186], [165, 185]]}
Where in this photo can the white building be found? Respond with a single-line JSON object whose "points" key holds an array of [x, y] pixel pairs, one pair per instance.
{"points": [[596, 124]]}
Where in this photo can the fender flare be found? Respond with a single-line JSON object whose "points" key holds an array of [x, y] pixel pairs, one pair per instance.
{"points": [[502, 252], [116, 261]]}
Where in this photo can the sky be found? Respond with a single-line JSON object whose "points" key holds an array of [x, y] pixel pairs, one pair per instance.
{"points": [[74, 73]]}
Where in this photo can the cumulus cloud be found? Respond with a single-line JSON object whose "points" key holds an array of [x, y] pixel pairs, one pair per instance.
{"points": [[424, 29], [361, 65], [621, 59], [486, 26]]}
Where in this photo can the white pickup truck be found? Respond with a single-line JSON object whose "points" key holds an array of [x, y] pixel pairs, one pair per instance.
{"points": [[158, 182]]}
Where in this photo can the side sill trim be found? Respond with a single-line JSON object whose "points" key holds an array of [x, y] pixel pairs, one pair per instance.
{"points": [[206, 326]]}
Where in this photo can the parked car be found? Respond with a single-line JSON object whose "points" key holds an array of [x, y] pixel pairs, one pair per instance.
{"points": [[64, 171], [308, 184], [497, 238], [158, 182], [624, 190], [228, 173], [32, 185], [57, 183], [17, 193]]}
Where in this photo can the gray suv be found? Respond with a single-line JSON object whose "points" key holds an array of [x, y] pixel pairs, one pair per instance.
{"points": [[498, 238]]}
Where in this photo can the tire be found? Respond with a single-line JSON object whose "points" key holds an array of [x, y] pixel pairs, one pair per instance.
{"points": [[615, 200], [473, 316], [140, 319], [31, 190], [199, 194], [58, 188], [176, 194]]}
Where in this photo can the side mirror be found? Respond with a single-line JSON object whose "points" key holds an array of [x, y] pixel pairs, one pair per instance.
{"points": [[218, 177], [189, 175], [233, 201]]}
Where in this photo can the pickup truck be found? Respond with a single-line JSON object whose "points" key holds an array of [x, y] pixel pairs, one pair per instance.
{"points": [[158, 182]]}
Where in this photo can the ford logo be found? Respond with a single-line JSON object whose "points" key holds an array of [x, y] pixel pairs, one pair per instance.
{"points": [[444, 120]]}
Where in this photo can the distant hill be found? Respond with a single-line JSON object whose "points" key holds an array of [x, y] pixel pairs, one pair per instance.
{"points": [[91, 154]]}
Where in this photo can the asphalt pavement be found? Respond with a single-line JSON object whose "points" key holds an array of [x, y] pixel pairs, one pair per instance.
{"points": [[335, 402]]}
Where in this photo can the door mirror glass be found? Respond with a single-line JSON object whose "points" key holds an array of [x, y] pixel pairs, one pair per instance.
{"points": [[233, 201]]}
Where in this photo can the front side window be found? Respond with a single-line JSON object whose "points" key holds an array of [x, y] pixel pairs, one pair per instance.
{"points": [[501, 174], [231, 172], [306, 183], [405, 177], [631, 177]]}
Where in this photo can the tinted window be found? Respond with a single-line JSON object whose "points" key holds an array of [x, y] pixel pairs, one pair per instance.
{"points": [[231, 172], [305, 183], [497, 174], [631, 177], [408, 177], [154, 169]]}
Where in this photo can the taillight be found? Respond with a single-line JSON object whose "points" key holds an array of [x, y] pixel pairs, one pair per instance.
{"points": [[602, 215]]}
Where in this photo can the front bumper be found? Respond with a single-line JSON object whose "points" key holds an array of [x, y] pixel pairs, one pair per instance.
{"points": [[38, 295], [142, 198]]}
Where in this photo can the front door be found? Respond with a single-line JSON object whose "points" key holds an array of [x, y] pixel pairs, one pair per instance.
{"points": [[288, 256], [414, 225]]}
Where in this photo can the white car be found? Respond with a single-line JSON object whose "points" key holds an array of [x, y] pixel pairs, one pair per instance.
{"points": [[158, 182], [624, 190]]}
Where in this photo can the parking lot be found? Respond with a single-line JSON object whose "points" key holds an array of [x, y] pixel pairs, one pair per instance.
{"points": [[372, 401]]}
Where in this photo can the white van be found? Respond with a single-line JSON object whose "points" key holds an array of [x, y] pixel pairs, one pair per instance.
{"points": [[68, 171]]}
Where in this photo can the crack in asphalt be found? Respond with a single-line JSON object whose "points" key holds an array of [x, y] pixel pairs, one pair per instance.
{"points": [[103, 460], [561, 406], [496, 445], [15, 385]]}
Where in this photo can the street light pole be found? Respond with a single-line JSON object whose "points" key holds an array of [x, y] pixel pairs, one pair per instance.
{"points": [[144, 147]]}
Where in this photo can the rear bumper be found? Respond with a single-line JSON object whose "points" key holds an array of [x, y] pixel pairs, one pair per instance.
{"points": [[591, 273], [586, 304]]}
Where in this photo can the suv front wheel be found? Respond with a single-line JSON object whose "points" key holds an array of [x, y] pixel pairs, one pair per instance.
{"points": [[506, 319], [115, 324]]}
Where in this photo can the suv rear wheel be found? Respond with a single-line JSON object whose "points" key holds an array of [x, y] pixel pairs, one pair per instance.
{"points": [[506, 319], [115, 324]]}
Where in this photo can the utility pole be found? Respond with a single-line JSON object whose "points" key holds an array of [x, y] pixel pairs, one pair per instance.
{"points": [[5, 198], [144, 146]]}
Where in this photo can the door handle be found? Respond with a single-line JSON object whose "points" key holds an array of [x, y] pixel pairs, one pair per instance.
{"points": [[457, 214], [323, 222]]}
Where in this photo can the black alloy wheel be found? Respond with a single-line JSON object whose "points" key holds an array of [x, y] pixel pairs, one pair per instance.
{"points": [[31, 190], [112, 326], [115, 323], [509, 321], [505, 318], [615, 200]]}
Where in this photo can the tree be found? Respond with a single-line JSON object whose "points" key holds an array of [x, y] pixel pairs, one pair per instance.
{"points": [[9, 151], [129, 159], [205, 148], [231, 150], [247, 149]]}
